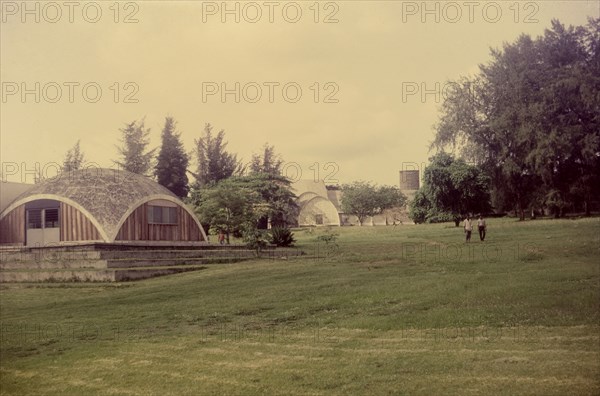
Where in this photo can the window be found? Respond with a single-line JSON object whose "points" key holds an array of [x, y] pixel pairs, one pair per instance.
{"points": [[42, 218], [169, 215], [34, 219], [162, 215], [51, 218], [319, 219]]}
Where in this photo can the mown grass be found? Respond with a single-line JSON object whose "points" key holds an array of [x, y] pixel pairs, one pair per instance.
{"points": [[391, 310]]}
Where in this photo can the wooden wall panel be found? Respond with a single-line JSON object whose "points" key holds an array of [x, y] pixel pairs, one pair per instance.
{"points": [[136, 228], [75, 226], [12, 227]]}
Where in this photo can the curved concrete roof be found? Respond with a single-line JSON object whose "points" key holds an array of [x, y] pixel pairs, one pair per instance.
{"points": [[335, 196], [106, 196], [302, 186], [318, 205], [305, 197]]}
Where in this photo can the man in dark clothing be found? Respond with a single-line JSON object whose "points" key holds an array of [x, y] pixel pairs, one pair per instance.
{"points": [[481, 226]]}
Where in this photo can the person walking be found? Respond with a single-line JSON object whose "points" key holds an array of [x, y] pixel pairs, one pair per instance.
{"points": [[468, 226], [221, 237], [481, 226]]}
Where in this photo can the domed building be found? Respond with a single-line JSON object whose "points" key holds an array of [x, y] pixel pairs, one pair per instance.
{"points": [[96, 205], [315, 206]]}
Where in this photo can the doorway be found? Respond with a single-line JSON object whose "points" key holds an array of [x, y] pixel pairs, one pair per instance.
{"points": [[42, 222]]}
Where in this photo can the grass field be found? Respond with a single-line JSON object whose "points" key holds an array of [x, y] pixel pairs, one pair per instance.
{"points": [[394, 310]]}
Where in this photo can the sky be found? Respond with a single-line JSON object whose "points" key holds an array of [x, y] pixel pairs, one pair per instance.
{"points": [[344, 90]]}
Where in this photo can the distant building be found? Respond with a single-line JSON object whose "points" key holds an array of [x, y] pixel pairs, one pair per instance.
{"points": [[315, 206], [320, 205], [409, 183], [94, 205]]}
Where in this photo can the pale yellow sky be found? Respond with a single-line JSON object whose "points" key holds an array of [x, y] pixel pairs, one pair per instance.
{"points": [[177, 50]]}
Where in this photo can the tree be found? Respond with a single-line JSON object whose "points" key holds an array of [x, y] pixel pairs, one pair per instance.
{"points": [[390, 197], [531, 119], [172, 161], [451, 189], [229, 207], [74, 159], [269, 162], [420, 209], [135, 156], [364, 199], [567, 155], [279, 201], [214, 162]]}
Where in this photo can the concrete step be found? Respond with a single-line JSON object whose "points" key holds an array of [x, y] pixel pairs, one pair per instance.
{"points": [[103, 264], [110, 275], [59, 264], [58, 276], [133, 263], [48, 255], [167, 254]]}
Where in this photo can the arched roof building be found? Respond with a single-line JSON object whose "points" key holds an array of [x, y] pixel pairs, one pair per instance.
{"points": [[315, 206], [97, 205]]}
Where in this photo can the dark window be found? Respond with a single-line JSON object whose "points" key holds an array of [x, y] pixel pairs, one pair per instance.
{"points": [[34, 218], [319, 219], [51, 218], [170, 215], [162, 215]]}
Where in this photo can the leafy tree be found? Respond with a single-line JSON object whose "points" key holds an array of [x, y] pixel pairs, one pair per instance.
{"points": [[240, 204], [281, 208], [214, 162], [229, 207], [451, 189], [364, 199], [135, 156], [74, 159], [420, 209], [531, 119], [390, 197], [172, 161]]}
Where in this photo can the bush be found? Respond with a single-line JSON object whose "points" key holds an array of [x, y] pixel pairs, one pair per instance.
{"points": [[282, 236], [255, 239], [440, 218], [328, 236]]}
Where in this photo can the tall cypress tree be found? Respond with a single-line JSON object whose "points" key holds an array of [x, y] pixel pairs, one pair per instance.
{"points": [[74, 159], [172, 161], [134, 157]]}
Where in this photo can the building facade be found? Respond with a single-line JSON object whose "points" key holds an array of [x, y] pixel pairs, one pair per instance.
{"points": [[96, 205]]}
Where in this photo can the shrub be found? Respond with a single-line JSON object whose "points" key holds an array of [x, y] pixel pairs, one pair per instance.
{"points": [[440, 218], [282, 236], [328, 236], [255, 239]]}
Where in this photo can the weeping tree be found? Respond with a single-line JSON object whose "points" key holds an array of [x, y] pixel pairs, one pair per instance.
{"points": [[531, 119]]}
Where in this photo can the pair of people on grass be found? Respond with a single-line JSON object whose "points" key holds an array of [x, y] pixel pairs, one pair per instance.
{"points": [[481, 227]]}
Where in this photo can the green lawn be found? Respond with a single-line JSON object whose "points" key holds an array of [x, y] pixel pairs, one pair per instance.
{"points": [[394, 310]]}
